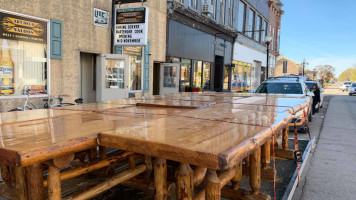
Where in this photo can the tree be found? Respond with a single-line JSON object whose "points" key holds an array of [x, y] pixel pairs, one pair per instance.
{"points": [[326, 72], [348, 75]]}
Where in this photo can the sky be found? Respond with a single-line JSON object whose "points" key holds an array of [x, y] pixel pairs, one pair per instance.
{"points": [[321, 31]]}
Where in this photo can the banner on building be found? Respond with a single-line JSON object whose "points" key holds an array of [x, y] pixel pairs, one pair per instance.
{"points": [[131, 26], [101, 18], [20, 28], [128, 1]]}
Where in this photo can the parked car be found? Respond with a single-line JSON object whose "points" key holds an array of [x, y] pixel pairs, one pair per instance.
{"points": [[345, 86], [310, 85], [352, 89], [290, 84]]}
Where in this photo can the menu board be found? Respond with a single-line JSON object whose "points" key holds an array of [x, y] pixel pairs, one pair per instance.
{"points": [[131, 26]]}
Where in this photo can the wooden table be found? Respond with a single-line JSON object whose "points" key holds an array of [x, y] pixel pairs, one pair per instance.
{"points": [[214, 137], [214, 132]]}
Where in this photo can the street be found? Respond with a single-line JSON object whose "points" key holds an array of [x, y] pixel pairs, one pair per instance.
{"points": [[330, 171]]}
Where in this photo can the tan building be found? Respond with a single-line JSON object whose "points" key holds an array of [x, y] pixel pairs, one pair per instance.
{"points": [[293, 67], [64, 47]]}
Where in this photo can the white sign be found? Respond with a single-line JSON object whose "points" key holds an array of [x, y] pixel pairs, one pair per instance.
{"points": [[131, 26], [101, 18]]}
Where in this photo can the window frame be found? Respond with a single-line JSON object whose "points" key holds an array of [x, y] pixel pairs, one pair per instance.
{"points": [[222, 14], [48, 59], [192, 7], [257, 16], [243, 17]]}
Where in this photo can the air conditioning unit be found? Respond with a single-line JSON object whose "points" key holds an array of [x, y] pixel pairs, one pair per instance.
{"points": [[208, 9]]}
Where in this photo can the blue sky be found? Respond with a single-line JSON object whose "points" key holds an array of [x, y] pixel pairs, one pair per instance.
{"points": [[321, 31]]}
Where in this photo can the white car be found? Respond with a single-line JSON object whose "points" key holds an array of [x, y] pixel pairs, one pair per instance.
{"points": [[345, 86]]}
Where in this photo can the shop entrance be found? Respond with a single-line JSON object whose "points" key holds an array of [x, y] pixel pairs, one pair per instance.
{"points": [[169, 77], [218, 73], [88, 77], [112, 77]]}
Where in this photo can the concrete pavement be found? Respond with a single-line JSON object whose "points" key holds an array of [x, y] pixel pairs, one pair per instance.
{"points": [[330, 172]]}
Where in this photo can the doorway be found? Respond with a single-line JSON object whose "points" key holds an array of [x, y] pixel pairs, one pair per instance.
{"points": [[88, 77], [156, 75], [219, 73]]}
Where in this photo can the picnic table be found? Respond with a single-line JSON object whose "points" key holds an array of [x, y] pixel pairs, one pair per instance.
{"points": [[214, 133]]}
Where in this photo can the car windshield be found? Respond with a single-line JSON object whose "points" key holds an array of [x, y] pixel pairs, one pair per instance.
{"points": [[310, 85], [347, 83], [280, 88]]}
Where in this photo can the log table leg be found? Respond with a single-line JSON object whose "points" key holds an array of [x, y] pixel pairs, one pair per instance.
{"points": [[160, 178], [238, 176], [266, 154], [247, 161], [54, 183], [21, 186], [103, 152], [285, 138], [212, 186], [54, 175], [255, 171], [185, 182], [132, 162], [35, 181]]}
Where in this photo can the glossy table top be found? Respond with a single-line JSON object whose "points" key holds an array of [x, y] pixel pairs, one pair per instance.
{"points": [[214, 135]]}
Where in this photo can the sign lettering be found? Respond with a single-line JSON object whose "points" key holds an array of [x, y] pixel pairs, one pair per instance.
{"points": [[21, 28], [131, 26]]}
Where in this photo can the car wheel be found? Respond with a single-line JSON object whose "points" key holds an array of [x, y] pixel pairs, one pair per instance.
{"points": [[350, 94]]}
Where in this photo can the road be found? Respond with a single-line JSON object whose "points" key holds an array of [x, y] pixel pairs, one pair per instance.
{"points": [[330, 171]]}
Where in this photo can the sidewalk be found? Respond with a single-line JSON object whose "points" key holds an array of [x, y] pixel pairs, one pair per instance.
{"points": [[331, 170]]}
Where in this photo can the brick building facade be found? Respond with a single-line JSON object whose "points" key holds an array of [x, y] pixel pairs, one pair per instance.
{"points": [[274, 27]]}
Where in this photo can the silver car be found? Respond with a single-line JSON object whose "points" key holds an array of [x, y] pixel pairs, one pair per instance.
{"points": [[352, 89]]}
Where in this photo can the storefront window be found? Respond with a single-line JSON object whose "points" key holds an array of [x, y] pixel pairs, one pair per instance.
{"points": [[206, 75], [226, 78], [170, 76], [197, 73], [185, 74], [115, 74], [23, 55], [253, 77], [135, 64], [242, 76], [248, 76]]}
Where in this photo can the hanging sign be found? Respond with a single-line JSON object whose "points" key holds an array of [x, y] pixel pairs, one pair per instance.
{"points": [[101, 18], [131, 26]]}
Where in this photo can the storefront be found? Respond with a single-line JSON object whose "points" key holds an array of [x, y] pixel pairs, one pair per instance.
{"points": [[194, 74], [247, 73], [24, 64], [204, 59], [243, 76]]}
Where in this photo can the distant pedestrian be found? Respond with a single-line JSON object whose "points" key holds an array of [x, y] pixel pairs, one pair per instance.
{"points": [[316, 97]]}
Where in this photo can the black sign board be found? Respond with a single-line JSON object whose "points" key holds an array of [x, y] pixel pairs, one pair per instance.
{"points": [[15, 27], [285, 66], [128, 1]]}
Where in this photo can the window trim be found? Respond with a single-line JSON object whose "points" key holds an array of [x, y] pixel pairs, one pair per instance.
{"points": [[48, 84], [191, 7]]}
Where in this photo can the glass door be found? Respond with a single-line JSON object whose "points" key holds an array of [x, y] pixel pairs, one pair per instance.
{"points": [[112, 77], [169, 77]]}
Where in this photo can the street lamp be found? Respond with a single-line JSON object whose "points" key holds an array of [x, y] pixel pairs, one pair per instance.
{"points": [[304, 61], [268, 40]]}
